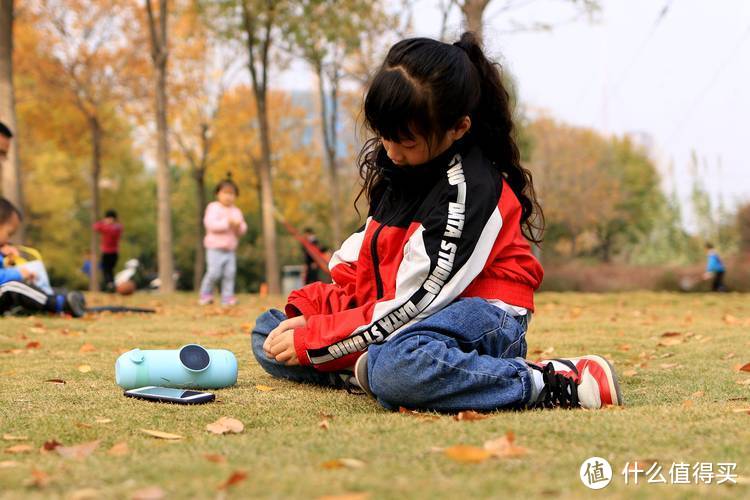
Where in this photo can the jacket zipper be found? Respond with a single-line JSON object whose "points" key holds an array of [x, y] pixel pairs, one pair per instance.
{"points": [[375, 260]]}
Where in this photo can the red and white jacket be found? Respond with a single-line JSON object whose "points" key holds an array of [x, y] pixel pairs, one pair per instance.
{"points": [[440, 231]]}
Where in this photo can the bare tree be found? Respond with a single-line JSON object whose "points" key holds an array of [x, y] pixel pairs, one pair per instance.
{"points": [[473, 14], [11, 174], [86, 40], [259, 20], [157, 24]]}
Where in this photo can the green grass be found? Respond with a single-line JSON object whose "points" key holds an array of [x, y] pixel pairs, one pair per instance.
{"points": [[283, 447]]}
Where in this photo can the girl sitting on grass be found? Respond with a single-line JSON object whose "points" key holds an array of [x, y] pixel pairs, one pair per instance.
{"points": [[432, 297]]}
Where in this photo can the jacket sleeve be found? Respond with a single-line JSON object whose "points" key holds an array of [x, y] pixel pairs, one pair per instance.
{"points": [[214, 220], [243, 224], [444, 253], [323, 298], [9, 273]]}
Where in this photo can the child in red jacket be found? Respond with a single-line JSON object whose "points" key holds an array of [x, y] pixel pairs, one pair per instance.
{"points": [[110, 230], [431, 298]]}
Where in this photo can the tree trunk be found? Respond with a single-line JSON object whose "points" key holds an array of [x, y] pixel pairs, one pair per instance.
{"points": [[96, 168], [269, 222], [328, 127], [473, 11], [199, 266], [11, 173], [159, 54]]}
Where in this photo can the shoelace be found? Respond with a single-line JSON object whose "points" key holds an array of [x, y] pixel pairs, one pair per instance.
{"points": [[559, 390]]}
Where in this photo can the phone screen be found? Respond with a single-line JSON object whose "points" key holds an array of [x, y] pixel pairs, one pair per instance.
{"points": [[168, 392]]}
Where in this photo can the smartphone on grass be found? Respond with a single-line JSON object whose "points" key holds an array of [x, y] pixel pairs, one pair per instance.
{"points": [[170, 395]]}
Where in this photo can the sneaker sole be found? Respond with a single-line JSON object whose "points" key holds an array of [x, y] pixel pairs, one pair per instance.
{"points": [[360, 374], [614, 386]]}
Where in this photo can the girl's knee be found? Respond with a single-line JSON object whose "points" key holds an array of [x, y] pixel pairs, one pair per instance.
{"points": [[268, 321]]}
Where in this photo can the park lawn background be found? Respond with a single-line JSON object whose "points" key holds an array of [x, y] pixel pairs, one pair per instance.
{"points": [[680, 400]]}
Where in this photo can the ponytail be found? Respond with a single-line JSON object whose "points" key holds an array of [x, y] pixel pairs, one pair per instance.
{"points": [[492, 119], [426, 87]]}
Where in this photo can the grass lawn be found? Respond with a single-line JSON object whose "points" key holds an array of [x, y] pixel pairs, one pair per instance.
{"points": [[681, 393]]}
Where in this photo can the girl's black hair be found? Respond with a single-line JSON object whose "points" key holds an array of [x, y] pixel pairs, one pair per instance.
{"points": [[7, 209], [227, 182], [425, 87]]}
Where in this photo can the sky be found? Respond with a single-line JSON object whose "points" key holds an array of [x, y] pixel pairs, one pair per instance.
{"points": [[675, 73]]}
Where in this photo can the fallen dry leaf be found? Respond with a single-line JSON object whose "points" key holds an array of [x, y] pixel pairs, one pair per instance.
{"points": [[56, 381], [79, 451], [84, 368], [226, 425], [624, 347], [728, 355], [697, 394], [264, 388], [504, 447], [119, 449], [149, 493], [467, 454], [470, 415], [7, 464], [340, 463], [324, 424], [11, 437], [85, 494], [39, 479], [215, 458], [345, 496], [236, 477], [160, 434], [730, 320], [668, 366], [668, 342], [743, 382], [671, 334], [50, 445], [687, 403], [19, 448], [87, 348], [33, 345], [630, 373]]}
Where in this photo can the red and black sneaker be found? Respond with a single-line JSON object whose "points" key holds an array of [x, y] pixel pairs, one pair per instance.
{"points": [[587, 382]]}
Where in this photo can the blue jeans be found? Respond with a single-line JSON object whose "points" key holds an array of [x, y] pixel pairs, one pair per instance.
{"points": [[469, 355], [263, 326]]}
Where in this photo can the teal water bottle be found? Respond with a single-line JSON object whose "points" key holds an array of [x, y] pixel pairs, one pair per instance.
{"points": [[190, 366]]}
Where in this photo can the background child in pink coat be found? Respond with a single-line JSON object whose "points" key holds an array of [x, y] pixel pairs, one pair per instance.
{"points": [[224, 225]]}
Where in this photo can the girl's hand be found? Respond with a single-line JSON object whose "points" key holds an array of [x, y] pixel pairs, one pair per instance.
{"points": [[9, 251], [27, 275], [279, 344]]}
